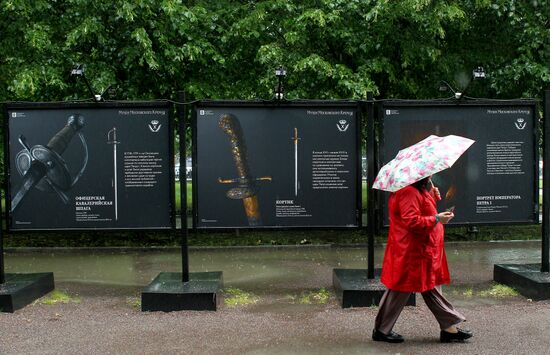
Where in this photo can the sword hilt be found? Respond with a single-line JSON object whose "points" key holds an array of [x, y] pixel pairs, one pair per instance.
{"points": [[111, 137], [233, 181], [61, 140], [244, 189], [23, 142], [296, 138]]}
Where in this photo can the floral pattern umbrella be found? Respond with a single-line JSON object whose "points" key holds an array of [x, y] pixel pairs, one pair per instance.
{"points": [[425, 158]]}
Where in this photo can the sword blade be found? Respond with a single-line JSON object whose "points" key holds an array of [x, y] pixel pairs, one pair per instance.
{"points": [[296, 161], [116, 186], [35, 173], [296, 168]]}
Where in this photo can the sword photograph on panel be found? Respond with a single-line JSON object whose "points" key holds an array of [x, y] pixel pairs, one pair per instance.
{"points": [[111, 139], [296, 181], [43, 167], [246, 189]]}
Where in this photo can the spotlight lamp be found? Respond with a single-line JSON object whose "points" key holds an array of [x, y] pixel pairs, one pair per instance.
{"points": [[280, 73], [478, 73], [78, 71]]}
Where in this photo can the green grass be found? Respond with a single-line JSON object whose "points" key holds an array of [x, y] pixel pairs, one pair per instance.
{"points": [[234, 297], [320, 296], [134, 302], [499, 291], [57, 296], [364, 194], [469, 292], [249, 237], [177, 191]]}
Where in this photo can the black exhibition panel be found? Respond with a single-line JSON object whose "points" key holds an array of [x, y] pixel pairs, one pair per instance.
{"points": [[532, 279], [276, 164], [90, 166], [496, 180]]}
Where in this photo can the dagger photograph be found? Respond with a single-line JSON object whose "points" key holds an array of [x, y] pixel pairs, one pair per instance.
{"points": [[257, 150], [274, 177]]}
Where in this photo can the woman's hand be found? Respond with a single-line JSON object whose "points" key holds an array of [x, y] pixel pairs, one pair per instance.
{"points": [[445, 217], [434, 192]]}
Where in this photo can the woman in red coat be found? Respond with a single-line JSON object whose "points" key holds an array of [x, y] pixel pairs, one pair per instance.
{"points": [[415, 261]]}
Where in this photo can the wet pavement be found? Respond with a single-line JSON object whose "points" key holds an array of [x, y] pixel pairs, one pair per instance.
{"points": [[259, 269], [286, 315]]}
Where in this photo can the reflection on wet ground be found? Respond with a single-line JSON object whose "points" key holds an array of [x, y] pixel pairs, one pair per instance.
{"points": [[280, 312], [275, 274]]}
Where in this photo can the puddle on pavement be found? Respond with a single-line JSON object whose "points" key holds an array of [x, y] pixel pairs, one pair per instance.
{"points": [[263, 271]]}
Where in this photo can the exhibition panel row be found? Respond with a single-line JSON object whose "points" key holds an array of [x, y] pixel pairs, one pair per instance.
{"points": [[256, 164]]}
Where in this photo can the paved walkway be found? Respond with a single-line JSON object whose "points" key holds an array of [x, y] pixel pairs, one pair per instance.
{"points": [[294, 308]]}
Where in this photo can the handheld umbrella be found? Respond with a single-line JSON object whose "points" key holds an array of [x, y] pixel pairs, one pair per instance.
{"points": [[420, 160]]}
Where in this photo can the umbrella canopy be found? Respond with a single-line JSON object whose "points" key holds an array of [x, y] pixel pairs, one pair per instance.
{"points": [[425, 158]]}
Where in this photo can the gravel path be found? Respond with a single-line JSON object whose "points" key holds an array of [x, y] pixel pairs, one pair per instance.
{"points": [[106, 321], [109, 324]]}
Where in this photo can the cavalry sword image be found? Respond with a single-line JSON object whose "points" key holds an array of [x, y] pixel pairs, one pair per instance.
{"points": [[246, 189], [111, 139], [44, 167], [295, 139]]}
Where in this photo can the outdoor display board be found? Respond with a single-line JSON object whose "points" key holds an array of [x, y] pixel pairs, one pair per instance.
{"points": [[496, 180], [90, 166], [276, 164]]}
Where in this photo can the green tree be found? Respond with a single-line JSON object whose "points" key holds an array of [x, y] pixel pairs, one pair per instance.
{"points": [[229, 49], [510, 39]]}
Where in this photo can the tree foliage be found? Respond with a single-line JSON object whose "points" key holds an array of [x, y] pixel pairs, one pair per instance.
{"points": [[229, 49]]}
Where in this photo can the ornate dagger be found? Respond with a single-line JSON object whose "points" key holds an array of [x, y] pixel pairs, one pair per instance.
{"points": [[246, 185]]}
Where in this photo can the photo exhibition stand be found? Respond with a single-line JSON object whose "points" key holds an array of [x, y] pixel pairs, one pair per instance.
{"points": [[18, 289], [533, 280], [299, 160], [470, 186], [178, 291], [362, 287]]}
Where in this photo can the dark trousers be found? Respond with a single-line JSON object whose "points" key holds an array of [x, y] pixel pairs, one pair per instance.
{"points": [[393, 302]]}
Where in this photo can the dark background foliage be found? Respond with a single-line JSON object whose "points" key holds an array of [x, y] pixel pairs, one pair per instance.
{"points": [[150, 49], [332, 49]]}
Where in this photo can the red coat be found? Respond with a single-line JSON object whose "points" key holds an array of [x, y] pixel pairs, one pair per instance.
{"points": [[415, 259]]}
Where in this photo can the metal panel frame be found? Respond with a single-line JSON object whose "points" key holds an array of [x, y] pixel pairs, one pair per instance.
{"points": [[87, 105], [281, 104], [383, 104]]}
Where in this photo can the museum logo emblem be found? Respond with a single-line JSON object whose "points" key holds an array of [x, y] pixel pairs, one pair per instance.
{"points": [[520, 123], [342, 125], [154, 126], [18, 114], [206, 112]]}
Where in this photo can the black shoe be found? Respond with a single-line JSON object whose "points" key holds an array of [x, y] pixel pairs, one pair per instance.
{"points": [[393, 337], [462, 335]]}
